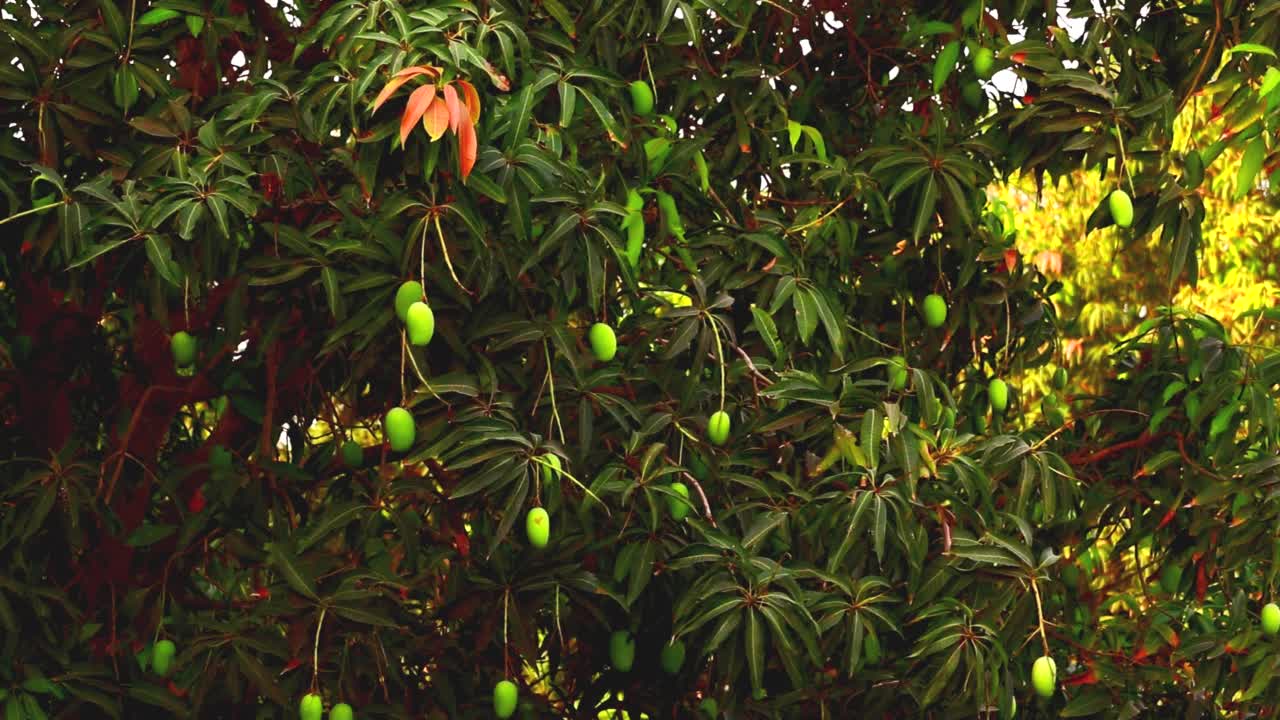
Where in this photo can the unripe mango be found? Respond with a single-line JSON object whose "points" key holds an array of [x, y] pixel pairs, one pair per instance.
{"points": [[672, 657], [551, 468], [1270, 618], [984, 62], [934, 309], [183, 347], [342, 711], [604, 344], [622, 650], [162, 657], [311, 707], [400, 429], [1121, 208], [998, 395], [718, 427], [641, 97], [709, 707], [537, 527], [420, 323], [1044, 676], [352, 454], [897, 372], [1060, 379], [678, 507], [505, 695], [409, 293]]}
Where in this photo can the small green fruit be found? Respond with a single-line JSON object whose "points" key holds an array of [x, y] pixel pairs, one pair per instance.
{"points": [[897, 372], [998, 395], [400, 429], [537, 527], [183, 347], [984, 62], [973, 96], [641, 97], [934, 309], [551, 469], [679, 508], [759, 694], [672, 657], [1060, 379], [622, 650], [342, 711], [409, 293], [1270, 618], [709, 707], [505, 694], [718, 427], [162, 657], [420, 323], [352, 454], [1121, 208], [604, 344], [1044, 676], [311, 707]]}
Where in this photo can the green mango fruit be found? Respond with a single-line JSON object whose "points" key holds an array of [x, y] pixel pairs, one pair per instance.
{"points": [[1270, 618], [1044, 676], [1060, 379], [897, 372], [934, 309], [604, 344], [672, 657], [718, 427], [1121, 208], [408, 293], [551, 469], [400, 429], [759, 694], [352, 454], [311, 707], [622, 650], [162, 657], [679, 508], [973, 95], [641, 97], [420, 323], [505, 695], [984, 63], [998, 395], [183, 347], [709, 707], [342, 711], [537, 527]]}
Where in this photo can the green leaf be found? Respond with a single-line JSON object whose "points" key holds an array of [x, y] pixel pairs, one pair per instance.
{"points": [[161, 257], [155, 16], [286, 563], [1251, 48], [148, 534]]}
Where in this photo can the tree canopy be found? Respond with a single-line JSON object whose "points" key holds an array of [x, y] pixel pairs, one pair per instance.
{"points": [[783, 482]]}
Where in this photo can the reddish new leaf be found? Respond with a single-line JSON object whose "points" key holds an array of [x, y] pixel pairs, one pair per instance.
{"points": [[399, 79], [436, 120], [466, 147], [455, 107], [419, 101], [471, 99]]}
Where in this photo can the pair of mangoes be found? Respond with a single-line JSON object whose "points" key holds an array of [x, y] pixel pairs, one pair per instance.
{"points": [[412, 309], [312, 707]]}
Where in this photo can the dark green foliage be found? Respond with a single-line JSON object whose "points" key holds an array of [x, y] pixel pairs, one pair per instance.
{"points": [[865, 541]]}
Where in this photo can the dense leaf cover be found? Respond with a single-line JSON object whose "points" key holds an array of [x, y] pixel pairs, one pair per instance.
{"points": [[870, 539]]}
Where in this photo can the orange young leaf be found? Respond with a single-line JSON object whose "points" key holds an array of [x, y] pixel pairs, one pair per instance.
{"points": [[471, 99], [455, 107], [436, 120], [466, 147], [419, 101], [399, 79]]}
